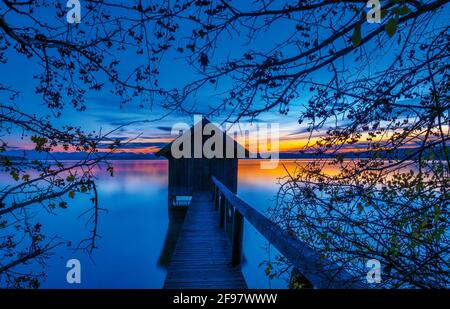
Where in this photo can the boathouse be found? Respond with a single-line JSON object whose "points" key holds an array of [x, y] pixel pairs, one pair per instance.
{"points": [[194, 171]]}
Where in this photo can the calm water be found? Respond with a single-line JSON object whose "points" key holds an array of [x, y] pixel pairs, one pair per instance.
{"points": [[134, 229]]}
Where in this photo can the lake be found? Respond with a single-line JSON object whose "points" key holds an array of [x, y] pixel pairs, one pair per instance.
{"points": [[133, 231]]}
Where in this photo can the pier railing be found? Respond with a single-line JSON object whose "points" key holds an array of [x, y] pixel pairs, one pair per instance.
{"points": [[319, 271]]}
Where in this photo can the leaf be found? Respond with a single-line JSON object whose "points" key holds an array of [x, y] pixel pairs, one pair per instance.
{"points": [[14, 175], [39, 141], [72, 194], [403, 10], [360, 208], [63, 205], [268, 269], [394, 251], [437, 212], [203, 60], [70, 178], [110, 169], [6, 162], [391, 27], [356, 37]]}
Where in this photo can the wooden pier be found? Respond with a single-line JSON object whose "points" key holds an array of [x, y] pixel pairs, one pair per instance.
{"points": [[209, 249], [202, 257]]}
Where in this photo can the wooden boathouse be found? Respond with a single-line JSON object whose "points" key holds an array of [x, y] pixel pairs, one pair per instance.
{"points": [[190, 174]]}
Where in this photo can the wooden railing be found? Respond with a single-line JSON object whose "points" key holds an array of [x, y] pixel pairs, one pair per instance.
{"points": [[320, 272]]}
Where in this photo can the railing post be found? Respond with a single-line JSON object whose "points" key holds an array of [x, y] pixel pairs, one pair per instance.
{"points": [[222, 209], [237, 234], [216, 198]]}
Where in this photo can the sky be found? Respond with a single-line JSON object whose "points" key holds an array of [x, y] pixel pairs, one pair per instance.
{"points": [[104, 112]]}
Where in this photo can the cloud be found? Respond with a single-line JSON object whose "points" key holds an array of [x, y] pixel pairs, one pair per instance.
{"points": [[164, 128], [136, 145], [300, 131]]}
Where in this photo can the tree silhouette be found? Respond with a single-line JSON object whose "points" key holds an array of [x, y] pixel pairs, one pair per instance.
{"points": [[382, 88]]}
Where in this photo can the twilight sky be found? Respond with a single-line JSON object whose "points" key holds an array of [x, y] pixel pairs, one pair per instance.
{"points": [[104, 112]]}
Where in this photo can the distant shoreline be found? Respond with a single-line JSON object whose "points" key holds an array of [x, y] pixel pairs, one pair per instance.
{"points": [[20, 155]]}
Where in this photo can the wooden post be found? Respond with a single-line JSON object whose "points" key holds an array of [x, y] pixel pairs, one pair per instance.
{"points": [[237, 235], [216, 198], [171, 199], [228, 226], [222, 209]]}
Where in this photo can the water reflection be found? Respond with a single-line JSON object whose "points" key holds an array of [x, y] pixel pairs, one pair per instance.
{"points": [[176, 219], [259, 188], [138, 234]]}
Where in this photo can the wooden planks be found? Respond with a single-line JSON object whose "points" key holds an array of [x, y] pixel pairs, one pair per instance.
{"points": [[202, 257]]}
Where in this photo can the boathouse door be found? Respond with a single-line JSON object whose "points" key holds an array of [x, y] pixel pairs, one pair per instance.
{"points": [[202, 174]]}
